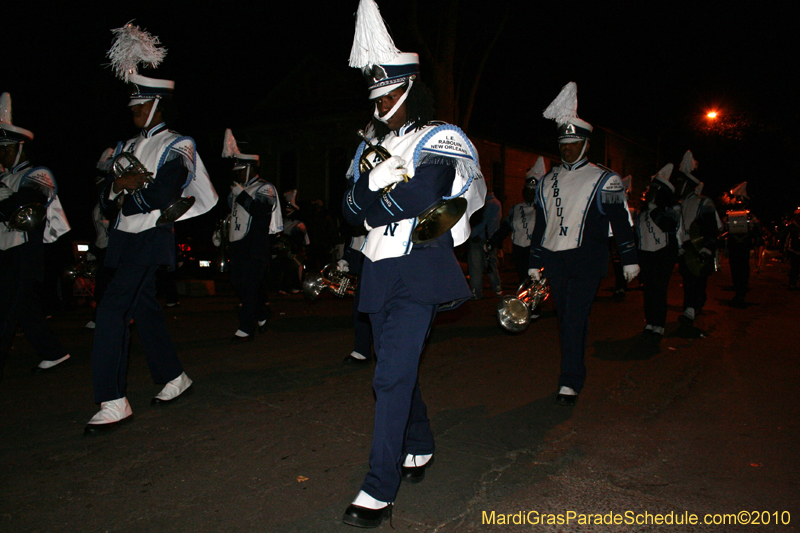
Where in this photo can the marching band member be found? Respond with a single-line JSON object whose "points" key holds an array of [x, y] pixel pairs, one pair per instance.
{"points": [[142, 238], [744, 234], [656, 227], [255, 215], [576, 201], [23, 186], [520, 221], [695, 263], [403, 284]]}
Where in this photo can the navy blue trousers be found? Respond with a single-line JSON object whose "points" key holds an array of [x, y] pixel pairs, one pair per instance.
{"points": [[20, 303], [694, 287], [246, 277], [656, 271], [130, 295], [401, 418], [573, 297]]}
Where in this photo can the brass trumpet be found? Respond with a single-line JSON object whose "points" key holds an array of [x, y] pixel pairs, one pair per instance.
{"points": [[514, 312], [127, 162], [332, 279], [435, 220], [27, 217]]}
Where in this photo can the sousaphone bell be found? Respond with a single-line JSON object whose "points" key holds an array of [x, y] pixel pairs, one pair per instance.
{"points": [[435, 220]]}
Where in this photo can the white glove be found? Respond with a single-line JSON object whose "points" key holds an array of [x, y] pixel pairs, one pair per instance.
{"points": [[5, 191], [706, 253], [236, 188], [630, 271], [535, 273], [344, 266], [387, 173]]}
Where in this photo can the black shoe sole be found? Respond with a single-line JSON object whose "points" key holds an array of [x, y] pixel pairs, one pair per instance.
{"points": [[415, 474], [103, 429], [351, 517]]}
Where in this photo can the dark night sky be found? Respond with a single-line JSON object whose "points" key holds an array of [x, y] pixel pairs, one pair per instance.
{"points": [[644, 69]]}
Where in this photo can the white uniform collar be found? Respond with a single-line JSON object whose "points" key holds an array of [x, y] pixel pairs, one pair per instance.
{"points": [[155, 130], [20, 166], [576, 165]]}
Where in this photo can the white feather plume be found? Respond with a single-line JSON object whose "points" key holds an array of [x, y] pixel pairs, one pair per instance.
{"points": [[229, 147], [565, 106], [627, 182], [740, 190], [688, 163], [372, 44], [665, 172], [5, 108], [538, 169], [131, 47]]}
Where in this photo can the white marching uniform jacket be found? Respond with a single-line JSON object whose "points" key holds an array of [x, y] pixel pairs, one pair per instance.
{"points": [[436, 143], [153, 149], [41, 179], [650, 236], [576, 205], [522, 219], [695, 207], [257, 190]]}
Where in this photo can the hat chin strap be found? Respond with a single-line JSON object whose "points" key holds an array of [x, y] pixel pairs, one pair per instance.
{"points": [[19, 154], [152, 111], [583, 150], [385, 118]]}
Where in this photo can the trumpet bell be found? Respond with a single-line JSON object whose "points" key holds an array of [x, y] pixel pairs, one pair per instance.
{"points": [[28, 217], [438, 219], [513, 314], [313, 285], [331, 279], [370, 153]]}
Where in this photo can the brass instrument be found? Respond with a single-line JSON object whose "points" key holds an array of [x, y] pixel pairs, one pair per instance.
{"points": [[27, 217], [83, 268], [435, 220], [126, 162], [699, 265], [514, 312], [332, 279], [222, 263]]}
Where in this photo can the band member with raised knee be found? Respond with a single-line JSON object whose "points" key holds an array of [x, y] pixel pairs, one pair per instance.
{"points": [[30, 216], [576, 201], [255, 215], [164, 177], [403, 283]]}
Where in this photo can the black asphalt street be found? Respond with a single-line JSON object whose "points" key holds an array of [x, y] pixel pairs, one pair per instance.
{"points": [[277, 433]]}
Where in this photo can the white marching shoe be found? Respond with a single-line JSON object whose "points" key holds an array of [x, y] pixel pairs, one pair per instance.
{"points": [[173, 390], [109, 416]]}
